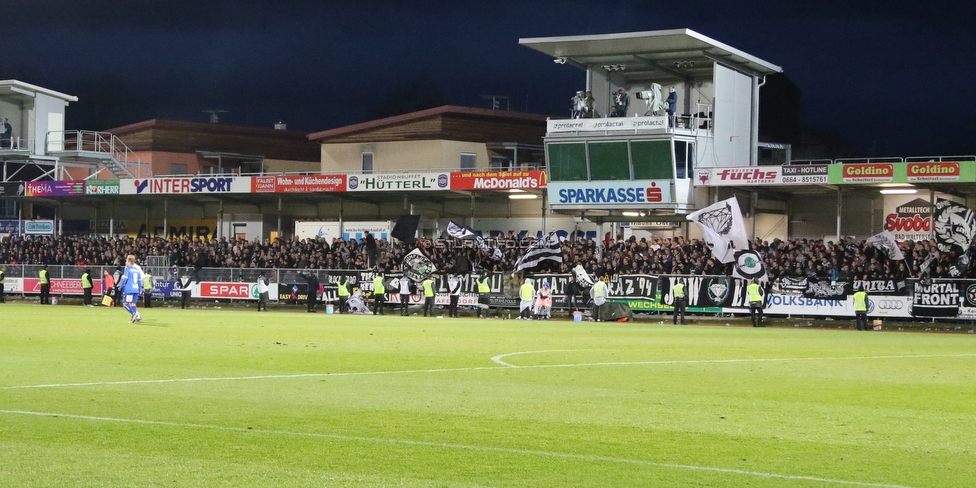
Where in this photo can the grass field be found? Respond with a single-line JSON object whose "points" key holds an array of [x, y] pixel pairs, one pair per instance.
{"points": [[287, 399]]}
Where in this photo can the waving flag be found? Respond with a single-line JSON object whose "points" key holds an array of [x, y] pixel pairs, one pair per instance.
{"points": [[886, 242], [543, 249], [464, 233], [417, 266], [725, 232]]}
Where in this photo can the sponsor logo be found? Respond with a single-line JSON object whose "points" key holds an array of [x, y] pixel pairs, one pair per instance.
{"points": [[227, 290], [933, 171], [868, 172], [611, 195], [100, 188], [184, 185], [703, 177], [752, 175], [567, 125], [264, 184], [888, 304], [503, 183], [353, 182], [799, 301], [39, 227], [805, 170], [443, 181]]}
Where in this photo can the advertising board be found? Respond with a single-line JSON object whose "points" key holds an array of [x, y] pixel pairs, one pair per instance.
{"points": [[498, 180], [613, 194]]}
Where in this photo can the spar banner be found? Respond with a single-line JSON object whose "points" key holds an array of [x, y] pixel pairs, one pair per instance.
{"points": [[230, 291], [828, 289], [300, 184], [936, 299], [498, 180]]}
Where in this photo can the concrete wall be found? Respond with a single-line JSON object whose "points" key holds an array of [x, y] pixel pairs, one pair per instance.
{"points": [[412, 156]]}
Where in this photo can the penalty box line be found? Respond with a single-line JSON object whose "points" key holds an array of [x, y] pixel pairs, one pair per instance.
{"points": [[497, 359], [467, 447]]}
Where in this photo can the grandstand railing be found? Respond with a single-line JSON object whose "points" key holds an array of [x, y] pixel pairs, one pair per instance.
{"points": [[233, 172], [894, 159]]}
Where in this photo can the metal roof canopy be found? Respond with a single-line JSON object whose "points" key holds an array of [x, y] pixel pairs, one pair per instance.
{"points": [[9, 87], [649, 53]]}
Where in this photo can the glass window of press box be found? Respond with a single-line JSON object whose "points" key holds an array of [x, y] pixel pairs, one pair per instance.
{"points": [[620, 160]]}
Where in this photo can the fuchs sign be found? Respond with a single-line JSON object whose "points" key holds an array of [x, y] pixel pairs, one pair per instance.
{"points": [[739, 176], [498, 180]]}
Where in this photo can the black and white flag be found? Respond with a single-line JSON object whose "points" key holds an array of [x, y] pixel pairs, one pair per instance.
{"points": [[543, 249], [583, 278], [417, 266], [749, 266], [724, 230], [886, 242], [464, 233]]}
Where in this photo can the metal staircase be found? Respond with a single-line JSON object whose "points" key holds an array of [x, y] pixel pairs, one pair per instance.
{"points": [[99, 152]]}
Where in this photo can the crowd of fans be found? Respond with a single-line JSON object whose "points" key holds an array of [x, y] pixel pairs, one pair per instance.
{"points": [[798, 258]]}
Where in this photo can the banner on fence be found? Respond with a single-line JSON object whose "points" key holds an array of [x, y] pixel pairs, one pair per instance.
{"points": [[936, 299]]}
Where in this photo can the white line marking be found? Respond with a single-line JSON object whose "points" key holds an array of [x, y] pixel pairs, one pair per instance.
{"points": [[498, 358], [445, 445], [475, 368]]}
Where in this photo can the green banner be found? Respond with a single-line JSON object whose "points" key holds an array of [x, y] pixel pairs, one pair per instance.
{"points": [[917, 172]]}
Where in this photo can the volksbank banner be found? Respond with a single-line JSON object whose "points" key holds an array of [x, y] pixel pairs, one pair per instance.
{"points": [[613, 194], [607, 124]]}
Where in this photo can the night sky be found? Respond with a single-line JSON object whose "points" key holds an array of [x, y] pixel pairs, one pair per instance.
{"points": [[891, 78]]}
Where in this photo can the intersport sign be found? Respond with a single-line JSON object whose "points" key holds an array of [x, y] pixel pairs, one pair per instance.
{"points": [[171, 186], [498, 180]]}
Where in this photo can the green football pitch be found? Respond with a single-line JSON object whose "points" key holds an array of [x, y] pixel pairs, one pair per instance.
{"points": [[289, 399]]}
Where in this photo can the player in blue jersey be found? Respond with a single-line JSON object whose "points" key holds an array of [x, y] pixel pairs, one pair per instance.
{"points": [[131, 286]]}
